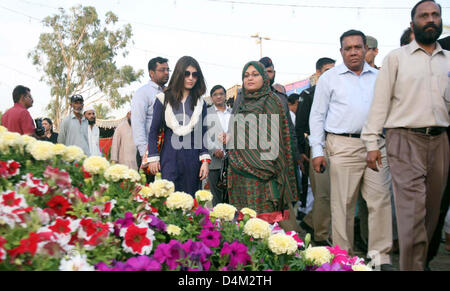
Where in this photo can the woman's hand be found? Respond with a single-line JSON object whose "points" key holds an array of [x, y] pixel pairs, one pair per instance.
{"points": [[154, 167], [204, 171]]}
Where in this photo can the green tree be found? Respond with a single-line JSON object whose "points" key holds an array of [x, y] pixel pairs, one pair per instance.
{"points": [[78, 56], [102, 111]]}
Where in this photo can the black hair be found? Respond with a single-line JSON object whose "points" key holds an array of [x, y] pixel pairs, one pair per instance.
{"points": [[406, 37], [217, 87], [293, 97], [18, 92], [174, 92], [445, 43], [322, 62], [152, 64], [353, 32], [49, 122], [230, 102], [413, 11]]}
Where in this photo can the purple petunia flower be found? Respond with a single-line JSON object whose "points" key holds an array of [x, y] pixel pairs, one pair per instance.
{"points": [[210, 238], [116, 266], [238, 253], [208, 225], [143, 263], [123, 222], [169, 254], [198, 253], [157, 223], [328, 267], [202, 211]]}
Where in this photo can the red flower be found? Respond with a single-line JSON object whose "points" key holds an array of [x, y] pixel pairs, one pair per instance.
{"points": [[136, 238], [102, 233], [13, 168], [2, 250], [10, 199], [88, 226], [94, 232], [59, 204], [3, 170], [28, 245], [61, 226], [61, 178], [86, 174]]}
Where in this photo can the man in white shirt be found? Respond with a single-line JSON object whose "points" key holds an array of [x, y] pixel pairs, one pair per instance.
{"points": [[93, 132], [340, 108], [217, 120], [142, 106]]}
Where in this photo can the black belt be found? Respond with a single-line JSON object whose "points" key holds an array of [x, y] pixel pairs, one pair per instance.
{"points": [[433, 131], [355, 135]]}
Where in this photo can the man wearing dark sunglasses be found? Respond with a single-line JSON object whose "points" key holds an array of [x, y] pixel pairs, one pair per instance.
{"points": [[142, 106]]}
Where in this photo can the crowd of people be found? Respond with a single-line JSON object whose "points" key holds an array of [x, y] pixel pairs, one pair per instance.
{"points": [[371, 144]]}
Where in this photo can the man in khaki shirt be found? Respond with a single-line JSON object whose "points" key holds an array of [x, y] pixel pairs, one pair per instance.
{"points": [[411, 101]]}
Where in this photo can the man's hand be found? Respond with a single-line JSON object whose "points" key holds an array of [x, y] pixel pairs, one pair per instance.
{"points": [[204, 171], [154, 168], [301, 163], [219, 154], [374, 158], [317, 162]]}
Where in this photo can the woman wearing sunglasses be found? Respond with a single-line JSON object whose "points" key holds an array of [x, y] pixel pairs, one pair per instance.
{"points": [[265, 183], [179, 113]]}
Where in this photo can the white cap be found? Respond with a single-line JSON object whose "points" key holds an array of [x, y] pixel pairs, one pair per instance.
{"points": [[88, 108]]}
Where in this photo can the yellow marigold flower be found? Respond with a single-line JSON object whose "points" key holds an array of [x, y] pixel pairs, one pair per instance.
{"points": [[203, 195], [133, 175], [173, 230], [161, 188], [145, 192], [180, 200], [73, 153], [249, 212], [282, 244], [95, 165], [117, 172], [361, 268], [60, 149], [257, 228], [318, 255], [42, 150], [224, 211], [28, 142], [10, 139]]}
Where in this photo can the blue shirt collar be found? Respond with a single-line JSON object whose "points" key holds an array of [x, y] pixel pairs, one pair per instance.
{"points": [[342, 69], [156, 86]]}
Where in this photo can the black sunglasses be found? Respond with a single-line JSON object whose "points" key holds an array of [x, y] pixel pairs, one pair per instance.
{"points": [[194, 74]]}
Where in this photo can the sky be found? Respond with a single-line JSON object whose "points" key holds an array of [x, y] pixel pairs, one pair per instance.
{"points": [[215, 32]]}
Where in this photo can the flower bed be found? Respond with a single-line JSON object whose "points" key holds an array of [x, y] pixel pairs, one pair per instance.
{"points": [[60, 210]]}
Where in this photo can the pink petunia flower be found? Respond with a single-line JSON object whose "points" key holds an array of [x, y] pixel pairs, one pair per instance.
{"points": [[210, 238], [238, 253]]}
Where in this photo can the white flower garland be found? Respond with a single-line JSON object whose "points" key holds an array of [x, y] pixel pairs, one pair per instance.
{"points": [[172, 122]]}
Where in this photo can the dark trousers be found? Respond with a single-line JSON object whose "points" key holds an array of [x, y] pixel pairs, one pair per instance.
{"points": [[149, 177], [213, 178]]}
